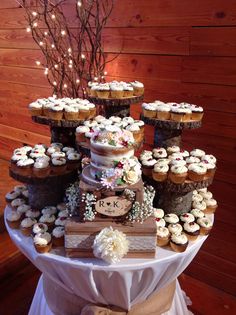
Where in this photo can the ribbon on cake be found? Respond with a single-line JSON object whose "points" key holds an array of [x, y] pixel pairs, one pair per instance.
{"points": [[61, 302]]}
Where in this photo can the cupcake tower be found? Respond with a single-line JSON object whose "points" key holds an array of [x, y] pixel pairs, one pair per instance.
{"points": [[62, 115], [115, 98], [175, 173], [170, 119], [46, 170]]}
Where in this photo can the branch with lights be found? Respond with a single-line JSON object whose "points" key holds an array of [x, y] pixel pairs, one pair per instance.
{"points": [[73, 54]]}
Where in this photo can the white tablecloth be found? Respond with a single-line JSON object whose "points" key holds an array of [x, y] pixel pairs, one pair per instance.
{"points": [[123, 284]]}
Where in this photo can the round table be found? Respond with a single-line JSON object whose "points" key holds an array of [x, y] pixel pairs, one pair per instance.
{"points": [[124, 284]]}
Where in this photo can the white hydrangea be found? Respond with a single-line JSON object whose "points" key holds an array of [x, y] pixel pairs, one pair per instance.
{"points": [[110, 245]]}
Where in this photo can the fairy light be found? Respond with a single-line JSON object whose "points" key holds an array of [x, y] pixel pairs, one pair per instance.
{"points": [[95, 78], [53, 16], [28, 29], [79, 3], [35, 24], [56, 66], [40, 43], [54, 83], [53, 46], [70, 66], [46, 71], [105, 72], [63, 33], [70, 61], [77, 81], [34, 13], [38, 63], [46, 33], [65, 86], [82, 56]]}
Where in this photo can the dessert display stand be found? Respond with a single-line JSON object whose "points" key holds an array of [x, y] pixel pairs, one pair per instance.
{"points": [[74, 286], [115, 107]]}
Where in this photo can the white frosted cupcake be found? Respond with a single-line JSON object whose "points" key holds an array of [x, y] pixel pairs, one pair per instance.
{"points": [[178, 174], [206, 194], [197, 197], [149, 110], [41, 168], [27, 225], [147, 166], [17, 202], [159, 153], [138, 88], [173, 149], [160, 172], [10, 196], [196, 172], [43, 242], [163, 236], [179, 242], [160, 222], [158, 213], [32, 213], [192, 230], [58, 165], [197, 153], [211, 205], [13, 219], [23, 209], [163, 111], [48, 219], [39, 228], [200, 205], [175, 228], [58, 236], [197, 213], [186, 217], [171, 218], [49, 210], [205, 225], [61, 221]]}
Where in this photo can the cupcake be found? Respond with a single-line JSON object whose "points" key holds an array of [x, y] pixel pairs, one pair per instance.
{"points": [[171, 218], [36, 109], [192, 160], [159, 172], [49, 210], [145, 155], [92, 110], [206, 194], [83, 112], [25, 194], [48, 219], [58, 165], [56, 112], [16, 157], [27, 225], [92, 88], [17, 202], [177, 114], [52, 149], [197, 153], [41, 168], [63, 213], [138, 88], [46, 109], [149, 110], [159, 153], [60, 221], [35, 214], [205, 225], [116, 91], [175, 228], [24, 167], [196, 172], [191, 230], [177, 161], [23, 209], [200, 205], [71, 113], [160, 222], [58, 236], [128, 91], [197, 112], [178, 174], [163, 236], [173, 149], [211, 205], [163, 112], [73, 160], [197, 197], [147, 166], [13, 219], [136, 131], [103, 91], [39, 228], [179, 242], [158, 213], [197, 213], [186, 217], [43, 242], [10, 196], [211, 168]]}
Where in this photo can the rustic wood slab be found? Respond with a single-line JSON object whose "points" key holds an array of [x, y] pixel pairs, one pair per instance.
{"points": [[57, 123], [126, 101]]}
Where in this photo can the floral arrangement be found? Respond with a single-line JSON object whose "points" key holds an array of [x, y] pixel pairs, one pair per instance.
{"points": [[118, 138], [110, 245], [90, 200], [125, 171], [72, 198]]}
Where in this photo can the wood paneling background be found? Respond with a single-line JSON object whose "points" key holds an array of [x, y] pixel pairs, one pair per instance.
{"points": [[182, 51]]}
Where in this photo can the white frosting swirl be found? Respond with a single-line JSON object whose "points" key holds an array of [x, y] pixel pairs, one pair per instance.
{"points": [[42, 239], [158, 213], [171, 218], [13, 216], [191, 227], [58, 231], [28, 222], [187, 217], [162, 231], [179, 239], [204, 222], [175, 228], [40, 228]]}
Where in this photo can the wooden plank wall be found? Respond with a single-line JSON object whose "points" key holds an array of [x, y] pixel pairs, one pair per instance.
{"points": [[182, 51]]}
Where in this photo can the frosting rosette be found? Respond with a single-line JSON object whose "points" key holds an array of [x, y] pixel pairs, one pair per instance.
{"points": [[118, 138], [110, 245]]}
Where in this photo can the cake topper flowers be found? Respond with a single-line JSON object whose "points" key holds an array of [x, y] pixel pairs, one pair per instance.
{"points": [[110, 245]]}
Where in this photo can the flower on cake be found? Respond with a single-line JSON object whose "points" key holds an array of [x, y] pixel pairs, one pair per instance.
{"points": [[131, 177], [110, 245], [120, 138]]}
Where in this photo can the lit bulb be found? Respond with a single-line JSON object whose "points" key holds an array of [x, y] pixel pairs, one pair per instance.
{"points": [[34, 13], [37, 62], [45, 33], [79, 3], [65, 85], [53, 46], [82, 56], [63, 33], [35, 24], [77, 81], [70, 61], [28, 29], [54, 83], [40, 43], [56, 66], [69, 50], [102, 76], [105, 72], [53, 16], [95, 78], [70, 66], [46, 71]]}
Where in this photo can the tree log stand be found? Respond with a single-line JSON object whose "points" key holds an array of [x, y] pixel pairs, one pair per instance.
{"points": [[48, 191], [167, 132]]}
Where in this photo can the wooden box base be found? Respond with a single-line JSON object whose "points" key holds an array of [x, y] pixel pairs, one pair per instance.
{"points": [[79, 237]]}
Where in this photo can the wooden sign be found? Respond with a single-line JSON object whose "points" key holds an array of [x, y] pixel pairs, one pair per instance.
{"points": [[114, 206]]}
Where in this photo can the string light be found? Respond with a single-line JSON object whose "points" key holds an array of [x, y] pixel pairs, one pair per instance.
{"points": [[105, 72], [40, 43], [53, 46], [63, 33], [53, 16], [82, 56], [95, 78], [34, 13], [28, 29], [77, 81], [70, 61], [65, 85], [79, 3], [38, 63], [70, 66], [46, 71], [46, 33], [54, 83], [56, 66], [35, 24]]}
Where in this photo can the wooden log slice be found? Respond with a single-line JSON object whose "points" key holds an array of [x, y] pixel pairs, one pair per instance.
{"points": [[174, 203], [57, 123], [66, 136], [116, 101], [170, 124], [165, 138], [170, 187]]}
